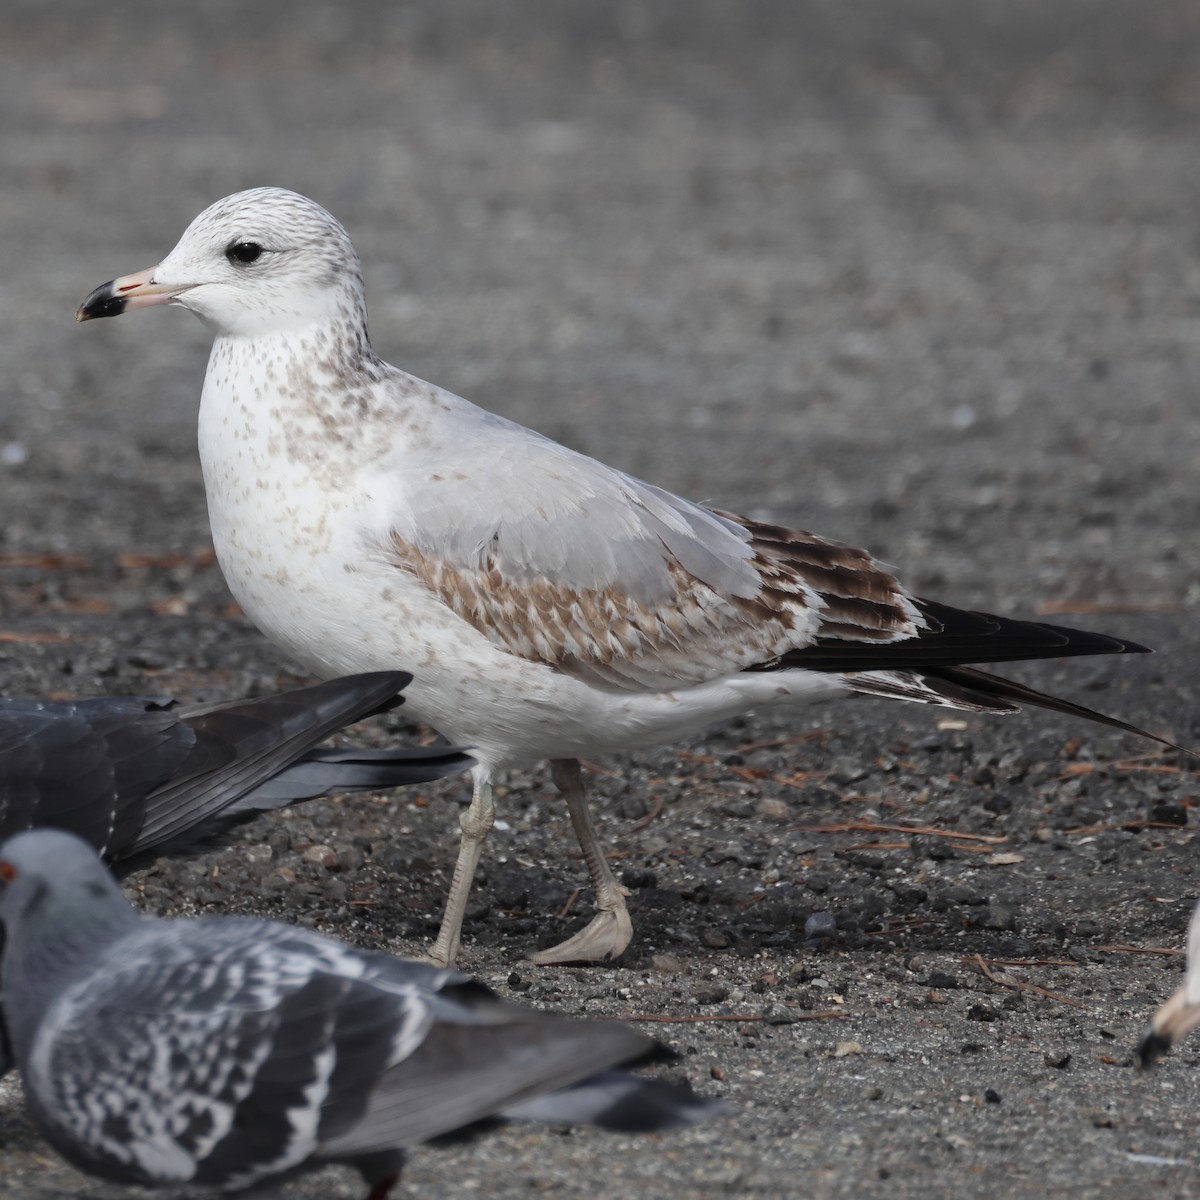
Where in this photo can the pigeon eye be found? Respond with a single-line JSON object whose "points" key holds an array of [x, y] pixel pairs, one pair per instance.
{"points": [[244, 252], [7, 872]]}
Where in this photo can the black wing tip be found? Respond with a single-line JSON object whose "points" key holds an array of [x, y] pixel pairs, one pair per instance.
{"points": [[1134, 648], [957, 637], [1056, 640]]}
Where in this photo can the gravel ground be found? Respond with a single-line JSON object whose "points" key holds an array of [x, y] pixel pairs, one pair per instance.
{"points": [[925, 277]]}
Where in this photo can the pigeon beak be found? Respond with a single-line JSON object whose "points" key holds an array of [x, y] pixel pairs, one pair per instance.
{"points": [[139, 290], [1167, 1028]]}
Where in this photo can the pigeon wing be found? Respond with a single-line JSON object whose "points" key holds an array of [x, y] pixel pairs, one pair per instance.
{"points": [[220, 1048]]}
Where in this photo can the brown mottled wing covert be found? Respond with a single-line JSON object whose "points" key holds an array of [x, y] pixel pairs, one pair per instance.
{"points": [[809, 588]]}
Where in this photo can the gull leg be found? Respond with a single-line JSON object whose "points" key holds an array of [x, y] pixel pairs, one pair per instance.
{"points": [[610, 930], [476, 823]]}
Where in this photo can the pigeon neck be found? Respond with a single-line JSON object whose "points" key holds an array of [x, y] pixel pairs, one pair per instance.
{"points": [[48, 945]]}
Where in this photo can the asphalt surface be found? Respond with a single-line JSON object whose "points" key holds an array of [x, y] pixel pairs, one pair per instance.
{"points": [[922, 277]]}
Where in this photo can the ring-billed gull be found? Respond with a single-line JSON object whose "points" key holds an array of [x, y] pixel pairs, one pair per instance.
{"points": [[549, 606], [223, 1052]]}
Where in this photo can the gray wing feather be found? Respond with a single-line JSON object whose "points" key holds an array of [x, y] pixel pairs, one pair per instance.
{"points": [[342, 771], [610, 579], [568, 518], [474, 1062]]}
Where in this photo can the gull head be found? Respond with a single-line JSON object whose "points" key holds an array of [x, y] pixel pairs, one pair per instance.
{"points": [[257, 262]]}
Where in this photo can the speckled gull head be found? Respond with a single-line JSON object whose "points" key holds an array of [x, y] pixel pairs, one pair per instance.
{"points": [[257, 262]]}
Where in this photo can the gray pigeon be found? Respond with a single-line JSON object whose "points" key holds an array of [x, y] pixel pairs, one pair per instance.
{"points": [[138, 778], [222, 1052]]}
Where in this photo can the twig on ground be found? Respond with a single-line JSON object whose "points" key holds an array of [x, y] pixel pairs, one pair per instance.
{"points": [[877, 827], [1130, 826], [656, 802], [815, 735], [1122, 949], [754, 774], [129, 560], [46, 562], [1022, 962], [1018, 985], [1128, 766], [695, 1020]]}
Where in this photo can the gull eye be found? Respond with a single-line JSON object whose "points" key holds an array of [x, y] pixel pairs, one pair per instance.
{"points": [[244, 252], [7, 873]]}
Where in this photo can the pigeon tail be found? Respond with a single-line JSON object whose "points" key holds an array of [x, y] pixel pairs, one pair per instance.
{"points": [[621, 1102]]}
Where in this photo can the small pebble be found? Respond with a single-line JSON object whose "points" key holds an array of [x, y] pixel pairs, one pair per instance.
{"points": [[820, 925], [847, 770], [322, 856], [1000, 917], [1169, 814], [773, 810], [666, 964], [779, 1014]]}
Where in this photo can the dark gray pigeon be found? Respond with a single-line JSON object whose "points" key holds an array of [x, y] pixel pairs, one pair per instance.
{"points": [[138, 778], [221, 1052]]}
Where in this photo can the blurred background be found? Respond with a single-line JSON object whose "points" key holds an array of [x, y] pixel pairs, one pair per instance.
{"points": [[921, 276]]}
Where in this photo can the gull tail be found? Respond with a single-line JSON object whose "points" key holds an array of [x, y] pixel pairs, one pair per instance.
{"points": [[936, 666], [972, 690], [993, 688]]}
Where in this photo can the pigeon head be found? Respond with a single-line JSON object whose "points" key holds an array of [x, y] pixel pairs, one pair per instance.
{"points": [[51, 880], [254, 263], [59, 910]]}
